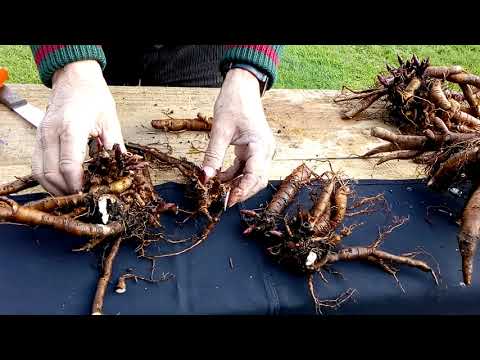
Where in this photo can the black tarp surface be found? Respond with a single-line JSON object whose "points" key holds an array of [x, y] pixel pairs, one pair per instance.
{"points": [[39, 274]]}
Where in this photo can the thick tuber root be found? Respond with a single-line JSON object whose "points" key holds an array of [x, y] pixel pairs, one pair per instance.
{"points": [[471, 99], [20, 184], [442, 72], [372, 254], [309, 240], [200, 123], [438, 97], [469, 235], [453, 166], [339, 206], [97, 306], [398, 155], [464, 78], [285, 194], [288, 189], [13, 212], [54, 203], [319, 215]]}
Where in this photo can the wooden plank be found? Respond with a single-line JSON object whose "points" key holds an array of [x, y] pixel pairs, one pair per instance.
{"points": [[306, 123]]}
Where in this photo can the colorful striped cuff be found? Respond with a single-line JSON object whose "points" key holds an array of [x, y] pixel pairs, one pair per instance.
{"points": [[265, 58], [50, 58]]}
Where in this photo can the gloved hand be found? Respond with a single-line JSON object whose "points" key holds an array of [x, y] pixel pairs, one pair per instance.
{"points": [[80, 106], [240, 121]]}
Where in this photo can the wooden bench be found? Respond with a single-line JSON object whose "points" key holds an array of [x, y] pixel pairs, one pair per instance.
{"points": [[307, 125]]}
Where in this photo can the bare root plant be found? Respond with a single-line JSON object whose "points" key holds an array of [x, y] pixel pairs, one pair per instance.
{"points": [[310, 240], [118, 205], [439, 129]]}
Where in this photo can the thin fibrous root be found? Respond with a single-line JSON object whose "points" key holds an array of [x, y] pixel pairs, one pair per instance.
{"points": [[333, 304], [201, 238], [388, 269], [121, 286], [382, 234], [367, 200], [185, 167]]}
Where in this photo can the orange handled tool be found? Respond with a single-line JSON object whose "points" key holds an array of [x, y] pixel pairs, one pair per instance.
{"points": [[18, 104], [3, 75]]}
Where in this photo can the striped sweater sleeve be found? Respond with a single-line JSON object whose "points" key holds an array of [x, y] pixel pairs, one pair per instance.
{"points": [[50, 58], [264, 57]]}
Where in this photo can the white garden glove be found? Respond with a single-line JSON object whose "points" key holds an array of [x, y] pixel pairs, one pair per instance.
{"points": [[80, 106], [240, 121]]}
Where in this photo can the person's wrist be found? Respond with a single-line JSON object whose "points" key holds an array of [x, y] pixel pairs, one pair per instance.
{"points": [[241, 76], [84, 69]]}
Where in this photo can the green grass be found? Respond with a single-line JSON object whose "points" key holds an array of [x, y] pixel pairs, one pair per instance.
{"points": [[330, 67], [19, 61], [305, 67]]}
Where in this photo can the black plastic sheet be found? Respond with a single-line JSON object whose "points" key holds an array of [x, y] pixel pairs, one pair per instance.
{"points": [[231, 274]]}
